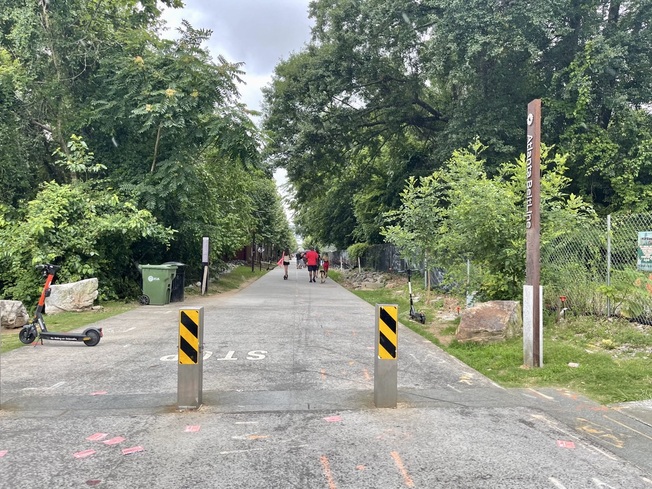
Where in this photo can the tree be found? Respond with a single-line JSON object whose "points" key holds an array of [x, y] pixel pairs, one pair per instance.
{"points": [[87, 230], [388, 90], [462, 213], [88, 86], [17, 176]]}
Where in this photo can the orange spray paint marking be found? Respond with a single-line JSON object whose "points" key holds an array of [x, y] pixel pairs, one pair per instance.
{"points": [[401, 467], [598, 432], [366, 374], [323, 374], [327, 472]]}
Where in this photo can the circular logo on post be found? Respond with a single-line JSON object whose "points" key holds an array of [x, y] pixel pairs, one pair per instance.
{"points": [[530, 119]]}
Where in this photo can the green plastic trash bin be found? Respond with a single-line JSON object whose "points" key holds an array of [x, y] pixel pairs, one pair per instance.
{"points": [[157, 283]]}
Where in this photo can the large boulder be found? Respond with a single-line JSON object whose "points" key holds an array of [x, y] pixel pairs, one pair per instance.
{"points": [[73, 297], [13, 314], [489, 322]]}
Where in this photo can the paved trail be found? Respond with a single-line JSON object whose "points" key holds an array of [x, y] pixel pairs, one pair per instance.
{"points": [[289, 403]]}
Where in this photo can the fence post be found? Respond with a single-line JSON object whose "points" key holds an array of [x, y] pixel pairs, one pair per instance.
{"points": [[608, 262]]}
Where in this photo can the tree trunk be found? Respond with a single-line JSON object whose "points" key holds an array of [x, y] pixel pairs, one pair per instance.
{"points": [[158, 139]]}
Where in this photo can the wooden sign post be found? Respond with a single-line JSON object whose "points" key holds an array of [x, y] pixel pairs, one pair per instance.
{"points": [[532, 290]]}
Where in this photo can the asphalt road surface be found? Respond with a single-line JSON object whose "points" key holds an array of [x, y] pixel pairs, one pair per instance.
{"points": [[288, 402]]}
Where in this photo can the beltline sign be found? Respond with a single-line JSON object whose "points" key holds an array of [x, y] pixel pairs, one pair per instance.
{"points": [[532, 291]]}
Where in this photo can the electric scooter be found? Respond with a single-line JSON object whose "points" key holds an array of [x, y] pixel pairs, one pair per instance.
{"points": [[416, 316], [37, 329]]}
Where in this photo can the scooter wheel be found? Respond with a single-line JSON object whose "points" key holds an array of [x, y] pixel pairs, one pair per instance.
{"points": [[27, 335], [422, 318], [144, 300], [93, 337]]}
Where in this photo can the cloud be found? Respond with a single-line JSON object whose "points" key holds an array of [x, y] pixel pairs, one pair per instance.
{"points": [[258, 33], [250, 91]]}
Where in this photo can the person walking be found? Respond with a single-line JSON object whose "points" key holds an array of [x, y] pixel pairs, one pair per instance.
{"points": [[312, 260], [325, 263], [286, 262]]}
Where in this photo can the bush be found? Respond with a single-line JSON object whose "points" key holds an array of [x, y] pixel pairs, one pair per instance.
{"points": [[88, 231]]}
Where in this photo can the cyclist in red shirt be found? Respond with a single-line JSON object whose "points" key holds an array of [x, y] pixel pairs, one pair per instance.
{"points": [[313, 263]]}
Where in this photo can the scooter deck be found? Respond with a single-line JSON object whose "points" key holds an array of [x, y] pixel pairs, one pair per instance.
{"points": [[64, 336], [48, 335]]}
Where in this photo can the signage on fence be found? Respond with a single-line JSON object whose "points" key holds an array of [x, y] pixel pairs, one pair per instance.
{"points": [[644, 252]]}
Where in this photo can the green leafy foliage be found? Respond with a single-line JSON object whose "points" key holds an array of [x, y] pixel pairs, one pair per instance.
{"points": [[90, 89], [77, 159], [461, 213], [89, 231], [391, 90], [357, 250], [630, 292]]}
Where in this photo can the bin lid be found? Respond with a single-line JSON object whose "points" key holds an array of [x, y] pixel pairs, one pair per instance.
{"points": [[156, 267], [175, 263]]}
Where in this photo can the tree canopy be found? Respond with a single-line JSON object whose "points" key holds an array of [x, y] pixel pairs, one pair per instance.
{"points": [[121, 146], [389, 90]]}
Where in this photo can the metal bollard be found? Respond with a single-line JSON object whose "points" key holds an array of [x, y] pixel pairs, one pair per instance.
{"points": [[191, 358], [385, 365]]}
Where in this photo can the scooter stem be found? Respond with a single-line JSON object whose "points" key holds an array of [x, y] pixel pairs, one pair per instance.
{"points": [[46, 288]]}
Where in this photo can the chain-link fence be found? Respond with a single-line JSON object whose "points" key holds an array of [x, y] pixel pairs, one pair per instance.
{"points": [[385, 257], [594, 268], [382, 257]]}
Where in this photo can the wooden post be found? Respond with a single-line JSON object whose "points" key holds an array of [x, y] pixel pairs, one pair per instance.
{"points": [[532, 294]]}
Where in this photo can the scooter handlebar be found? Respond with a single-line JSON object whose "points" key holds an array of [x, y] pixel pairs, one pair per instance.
{"points": [[48, 268]]}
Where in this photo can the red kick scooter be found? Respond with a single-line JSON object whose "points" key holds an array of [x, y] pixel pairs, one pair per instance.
{"points": [[37, 329]]}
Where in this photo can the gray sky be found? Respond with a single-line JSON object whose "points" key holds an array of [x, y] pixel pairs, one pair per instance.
{"points": [[257, 32]]}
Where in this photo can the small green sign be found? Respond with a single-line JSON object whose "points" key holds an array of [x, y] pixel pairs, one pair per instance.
{"points": [[644, 252]]}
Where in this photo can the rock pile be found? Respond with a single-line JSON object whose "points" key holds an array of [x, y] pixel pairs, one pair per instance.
{"points": [[366, 279]]}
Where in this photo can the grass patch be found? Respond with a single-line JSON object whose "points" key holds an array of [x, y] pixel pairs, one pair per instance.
{"points": [[598, 375], [67, 321], [613, 357], [233, 280]]}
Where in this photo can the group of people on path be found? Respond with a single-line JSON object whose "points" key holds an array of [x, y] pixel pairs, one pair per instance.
{"points": [[311, 259]]}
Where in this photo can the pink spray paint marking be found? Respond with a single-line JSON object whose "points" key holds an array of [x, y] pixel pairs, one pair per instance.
{"points": [[127, 451], [565, 444], [83, 454], [99, 393], [97, 437], [333, 419], [3, 453], [191, 429], [114, 441]]}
